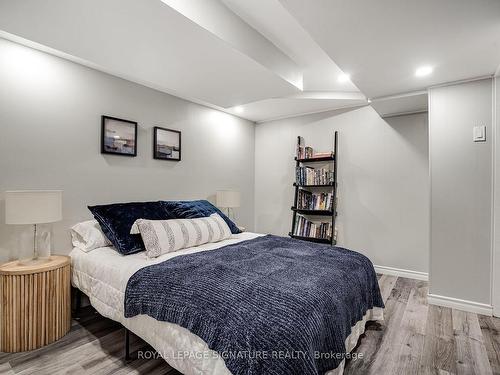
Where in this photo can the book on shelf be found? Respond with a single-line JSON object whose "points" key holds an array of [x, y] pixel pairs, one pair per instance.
{"points": [[314, 176], [307, 200], [308, 228], [308, 152]]}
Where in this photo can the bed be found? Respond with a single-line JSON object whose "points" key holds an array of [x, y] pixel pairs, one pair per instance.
{"points": [[103, 275]]}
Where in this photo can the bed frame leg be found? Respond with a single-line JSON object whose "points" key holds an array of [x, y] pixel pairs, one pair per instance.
{"points": [[78, 304], [127, 344]]}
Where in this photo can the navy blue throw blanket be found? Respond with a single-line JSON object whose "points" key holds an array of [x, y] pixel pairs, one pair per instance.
{"points": [[271, 305]]}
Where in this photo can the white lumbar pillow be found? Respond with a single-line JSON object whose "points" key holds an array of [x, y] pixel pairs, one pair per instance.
{"points": [[88, 236], [164, 236]]}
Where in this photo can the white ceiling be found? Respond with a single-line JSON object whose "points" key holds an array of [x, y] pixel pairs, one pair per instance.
{"points": [[266, 59], [307, 102], [271, 19], [401, 104], [147, 42], [217, 19], [381, 43], [237, 22]]}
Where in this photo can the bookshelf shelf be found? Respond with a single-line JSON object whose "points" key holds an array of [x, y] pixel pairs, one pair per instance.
{"points": [[313, 186], [313, 212], [315, 160], [311, 239], [301, 226]]}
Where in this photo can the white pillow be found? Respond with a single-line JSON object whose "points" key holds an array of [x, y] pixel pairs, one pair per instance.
{"points": [[88, 236], [164, 236]]}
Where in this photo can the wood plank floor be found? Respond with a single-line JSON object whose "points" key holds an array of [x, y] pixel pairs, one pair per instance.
{"points": [[414, 338]]}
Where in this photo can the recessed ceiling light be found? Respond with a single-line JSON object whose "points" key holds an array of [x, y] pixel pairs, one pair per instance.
{"points": [[344, 78], [424, 71], [238, 109]]}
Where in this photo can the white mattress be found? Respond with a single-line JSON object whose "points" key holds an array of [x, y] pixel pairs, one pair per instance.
{"points": [[102, 274]]}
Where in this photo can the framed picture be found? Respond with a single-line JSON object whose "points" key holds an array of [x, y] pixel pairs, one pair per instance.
{"points": [[166, 144], [118, 136]]}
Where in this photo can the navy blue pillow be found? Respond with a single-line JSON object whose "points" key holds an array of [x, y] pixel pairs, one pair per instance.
{"points": [[116, 220], [196, 209]]}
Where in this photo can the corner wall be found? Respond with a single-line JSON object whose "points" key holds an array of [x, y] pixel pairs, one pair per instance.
{"points": [[461, 193], [496, 200], [50, 113], [383, 181]]}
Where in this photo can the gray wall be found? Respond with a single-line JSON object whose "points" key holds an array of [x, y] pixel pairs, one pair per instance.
{"points": [[461, 190], [496, 257], [383, 176], [50, 132]]}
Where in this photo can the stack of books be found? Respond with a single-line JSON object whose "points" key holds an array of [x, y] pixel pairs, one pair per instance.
{"points": [[307, 228], [311, 176], [307, 200]]}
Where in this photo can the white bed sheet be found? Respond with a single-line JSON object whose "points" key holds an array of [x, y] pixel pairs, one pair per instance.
{"points": [[102, 274]]}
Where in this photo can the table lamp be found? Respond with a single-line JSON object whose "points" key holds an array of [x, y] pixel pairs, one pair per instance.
{"points": [[228, 199], [32, 207]]}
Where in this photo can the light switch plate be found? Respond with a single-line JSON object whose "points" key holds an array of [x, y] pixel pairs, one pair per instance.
{"points": [[479, 133]]}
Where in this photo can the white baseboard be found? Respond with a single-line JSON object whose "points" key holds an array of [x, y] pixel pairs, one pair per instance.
{"points": [[402, 273], [460, 304]]}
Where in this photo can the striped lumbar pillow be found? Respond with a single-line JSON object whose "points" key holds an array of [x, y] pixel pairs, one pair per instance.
{"points": [[164, 236]]}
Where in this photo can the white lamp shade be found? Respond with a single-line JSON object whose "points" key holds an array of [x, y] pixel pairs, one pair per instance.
{"points": [[228, 198], [33, 206]]}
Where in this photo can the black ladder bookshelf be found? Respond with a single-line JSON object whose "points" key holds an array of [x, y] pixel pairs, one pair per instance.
{"points": [[331, 186]]}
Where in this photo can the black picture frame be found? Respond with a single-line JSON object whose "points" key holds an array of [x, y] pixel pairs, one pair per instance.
{"points": [[174, 150], [111, 146]]}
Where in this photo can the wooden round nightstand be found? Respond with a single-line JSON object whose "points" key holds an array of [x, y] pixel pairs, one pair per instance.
{"points": [[35, 303]]}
